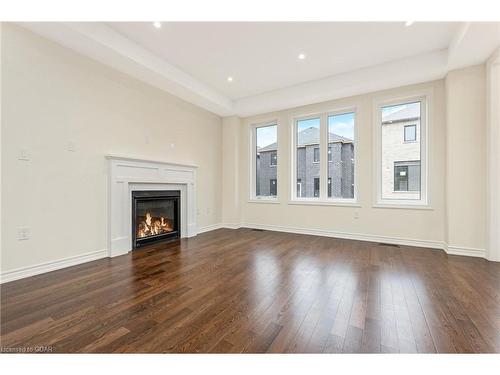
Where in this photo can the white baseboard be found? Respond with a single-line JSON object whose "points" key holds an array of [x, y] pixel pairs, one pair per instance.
{"points": [[211, 227], [231, 225], [451, 250], [21, 273], [349, 236], [208, 228], [466, 251]]}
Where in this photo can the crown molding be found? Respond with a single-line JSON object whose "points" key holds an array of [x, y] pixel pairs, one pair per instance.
{"points": [[100, 42], [415, 69]]}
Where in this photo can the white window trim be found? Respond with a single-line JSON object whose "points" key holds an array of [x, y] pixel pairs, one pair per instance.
{"points": [[253, 162], [426, 98], [323, 199], [336, 112]]}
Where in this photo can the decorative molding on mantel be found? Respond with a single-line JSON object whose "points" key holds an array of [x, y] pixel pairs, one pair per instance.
{"points": [[128, 158], [127, 174]]}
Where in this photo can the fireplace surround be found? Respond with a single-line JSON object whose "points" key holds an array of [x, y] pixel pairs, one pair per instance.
{"points": [[127, 175], [155, 216]]}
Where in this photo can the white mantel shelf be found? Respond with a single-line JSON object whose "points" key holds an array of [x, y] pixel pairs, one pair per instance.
{"points": [[128, 158], [127, 174]]}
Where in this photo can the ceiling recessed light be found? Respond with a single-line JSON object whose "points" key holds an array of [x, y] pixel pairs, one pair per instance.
{"points": [[409, 23], [157, 24], [302, 56], [230, 79]]}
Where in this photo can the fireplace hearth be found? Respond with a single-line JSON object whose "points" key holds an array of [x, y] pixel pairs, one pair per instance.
{"points": [[155, 216]]}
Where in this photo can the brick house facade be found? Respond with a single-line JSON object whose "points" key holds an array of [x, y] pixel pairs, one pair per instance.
{"points": [[340, 167]]}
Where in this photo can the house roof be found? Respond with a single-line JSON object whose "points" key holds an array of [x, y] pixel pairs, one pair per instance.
{"points": [[405, 113], [309, 136]]}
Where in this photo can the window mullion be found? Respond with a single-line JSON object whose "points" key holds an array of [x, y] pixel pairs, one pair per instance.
{"points": [[323, 149]]}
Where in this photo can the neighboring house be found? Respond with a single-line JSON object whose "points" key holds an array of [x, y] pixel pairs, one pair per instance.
{"points": [[267, 159], [340, 166], [401, 153]]}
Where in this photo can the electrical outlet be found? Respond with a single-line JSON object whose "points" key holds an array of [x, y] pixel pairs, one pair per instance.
{"points": [[24, 155], [23, 233], [356, 214]]}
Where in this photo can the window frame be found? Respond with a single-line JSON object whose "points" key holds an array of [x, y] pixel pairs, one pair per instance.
{"points": [[404, 133], [253, 162], [319, 155], [407, 178], [425, 97], [271, 158], [323, 198]]}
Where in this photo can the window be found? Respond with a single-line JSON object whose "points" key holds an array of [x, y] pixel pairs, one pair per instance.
{"points": [[324, 160], [265, 160], [307, 167], [274, 158], [407, 176], [410, 133], [400, 178], [341, 155], [273, 187], [402, 163], [316, 154]]}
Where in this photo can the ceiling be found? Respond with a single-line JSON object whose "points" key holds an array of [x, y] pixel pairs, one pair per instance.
{"points": [[194, 59], [264, 56]]}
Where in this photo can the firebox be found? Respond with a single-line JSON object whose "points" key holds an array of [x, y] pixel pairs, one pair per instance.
{"points": [[155, 216]]}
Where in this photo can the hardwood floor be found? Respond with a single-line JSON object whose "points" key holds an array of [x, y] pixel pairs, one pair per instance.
{"points": [[230, 291]]}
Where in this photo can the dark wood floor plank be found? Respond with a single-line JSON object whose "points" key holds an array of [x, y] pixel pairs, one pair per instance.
{"points": [[246, 291]]}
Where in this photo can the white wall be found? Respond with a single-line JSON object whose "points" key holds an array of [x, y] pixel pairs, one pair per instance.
{"points": [[426, 226], [493, 155], [230, 173], [466, 158], [53, 96]]}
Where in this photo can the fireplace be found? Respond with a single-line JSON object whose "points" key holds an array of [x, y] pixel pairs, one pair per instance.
{"points": [[155, 216]]}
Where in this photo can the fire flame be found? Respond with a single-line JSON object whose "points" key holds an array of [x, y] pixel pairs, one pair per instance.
{"points": [[150, 225]]}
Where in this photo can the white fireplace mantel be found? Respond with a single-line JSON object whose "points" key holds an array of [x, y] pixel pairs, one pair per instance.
{"points": [[130, 174]]}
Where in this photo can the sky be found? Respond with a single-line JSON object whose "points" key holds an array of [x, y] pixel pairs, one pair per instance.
{"points": [[309, 123], [398, 107], [342, 125], [266, 135]]}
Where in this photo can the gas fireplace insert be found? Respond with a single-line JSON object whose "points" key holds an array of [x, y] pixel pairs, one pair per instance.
{"points": [[155, 216]]}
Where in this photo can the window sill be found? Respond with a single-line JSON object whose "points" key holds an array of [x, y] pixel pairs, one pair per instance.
{"points": [[405, 192], [264, 200], [404, 206], [317, 202]]}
